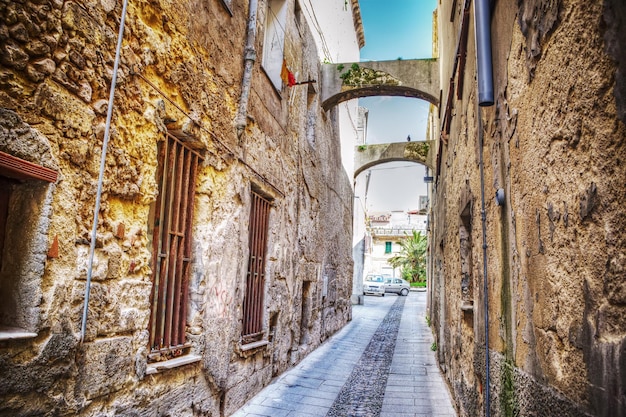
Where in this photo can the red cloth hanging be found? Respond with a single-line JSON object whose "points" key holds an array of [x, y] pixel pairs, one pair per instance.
{"points": [[292, 79]]}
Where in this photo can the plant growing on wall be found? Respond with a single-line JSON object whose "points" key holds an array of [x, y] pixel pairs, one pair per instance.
{"points": [[358, 77], [417, 150], [412, 257]]}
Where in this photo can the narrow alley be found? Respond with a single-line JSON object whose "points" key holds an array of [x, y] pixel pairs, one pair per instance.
{"points": [[382, 363], [195, 196]]}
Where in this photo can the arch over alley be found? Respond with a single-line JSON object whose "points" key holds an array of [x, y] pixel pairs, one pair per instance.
{"points": [[367, 156], [418, 78]]}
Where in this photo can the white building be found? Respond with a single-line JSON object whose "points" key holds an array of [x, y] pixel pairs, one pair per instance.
{"points": [[384, 231]]}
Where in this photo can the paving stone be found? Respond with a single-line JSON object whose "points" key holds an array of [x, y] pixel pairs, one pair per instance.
{"points": [[379, 365], [259, 410], [363, 393]]}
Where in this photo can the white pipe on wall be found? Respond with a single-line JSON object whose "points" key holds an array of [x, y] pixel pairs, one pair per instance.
{"points": [[105, 143]]}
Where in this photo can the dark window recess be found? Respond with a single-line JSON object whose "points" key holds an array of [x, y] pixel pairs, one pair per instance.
{"points": [[14, 171], [5, 196], [178, 167], [255, 281], [24, 218]]}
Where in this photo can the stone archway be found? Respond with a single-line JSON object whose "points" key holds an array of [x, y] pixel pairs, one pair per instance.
{"points": [[417, 78], [367, 156]]}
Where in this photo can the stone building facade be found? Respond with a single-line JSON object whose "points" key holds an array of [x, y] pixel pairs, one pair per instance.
{"points": [[222, 251], [552, 146]]}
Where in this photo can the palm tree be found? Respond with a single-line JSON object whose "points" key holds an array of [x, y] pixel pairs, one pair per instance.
{"points": [[412, 257]]}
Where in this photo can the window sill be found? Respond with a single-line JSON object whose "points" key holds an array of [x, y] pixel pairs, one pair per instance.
{"points": [[157, 367], [467, 306], [253, 345], [14, 333]]}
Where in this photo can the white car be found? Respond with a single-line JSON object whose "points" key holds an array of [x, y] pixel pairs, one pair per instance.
{"points": [[374, 284]]}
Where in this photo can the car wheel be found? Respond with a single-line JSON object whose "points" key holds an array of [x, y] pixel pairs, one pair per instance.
{"points": [[405, 292], [383, 295]]}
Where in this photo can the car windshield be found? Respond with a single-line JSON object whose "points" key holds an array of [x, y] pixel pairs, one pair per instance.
{"points": [[374, 278]]}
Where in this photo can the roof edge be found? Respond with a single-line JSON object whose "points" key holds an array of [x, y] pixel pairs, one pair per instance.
{"points": [[358, 22]]}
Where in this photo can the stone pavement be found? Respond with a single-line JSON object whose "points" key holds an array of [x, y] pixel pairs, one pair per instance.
{"points": [[379, 364]]}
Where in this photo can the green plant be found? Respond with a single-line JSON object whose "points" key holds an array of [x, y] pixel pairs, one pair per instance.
{"points": [[362, 147], [354, 71], [412, 257], [428, 321], [433, 347]]}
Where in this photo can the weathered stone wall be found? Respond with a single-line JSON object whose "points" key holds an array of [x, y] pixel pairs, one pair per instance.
{"points": [[181, 60], [555, 143]]}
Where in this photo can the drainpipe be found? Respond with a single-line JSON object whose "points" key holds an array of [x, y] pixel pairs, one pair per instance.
{"points": [[105, 143], [249, 58], [482, 17], [485, 284]]}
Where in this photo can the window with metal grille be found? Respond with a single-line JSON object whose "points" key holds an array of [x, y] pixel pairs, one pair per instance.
{"points": [[178, 167], [255, 281]]}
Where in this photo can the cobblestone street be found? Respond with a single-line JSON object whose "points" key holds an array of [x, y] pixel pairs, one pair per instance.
{"points": [[380, 364]]}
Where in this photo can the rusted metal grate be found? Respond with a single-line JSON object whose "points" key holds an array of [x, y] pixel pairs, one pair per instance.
{"points": [[178, 167], [255, 282]]}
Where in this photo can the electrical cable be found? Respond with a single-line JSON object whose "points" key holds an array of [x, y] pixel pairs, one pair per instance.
{"points": [[317, 26], [213, 135]]}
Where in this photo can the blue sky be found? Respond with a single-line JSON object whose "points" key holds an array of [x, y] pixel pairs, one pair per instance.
{"points": [[396, 29]]}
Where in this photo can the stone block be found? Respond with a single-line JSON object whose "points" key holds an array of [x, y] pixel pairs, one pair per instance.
{"points": [[78, 19], [37, 48], [104, 366], [12, 55], [99, 266], [56, 103], [237, 395], [19, 33], [77, 59]]}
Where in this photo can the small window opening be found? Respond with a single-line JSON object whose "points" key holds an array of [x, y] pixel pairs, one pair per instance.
{"points": [[387, 247]]}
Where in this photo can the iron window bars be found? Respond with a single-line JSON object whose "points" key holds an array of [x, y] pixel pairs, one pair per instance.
{"points": [[255, 281], [173, 218]]}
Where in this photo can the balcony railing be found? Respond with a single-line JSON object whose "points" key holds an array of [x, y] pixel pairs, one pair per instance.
{"points": [[395, 231]]}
